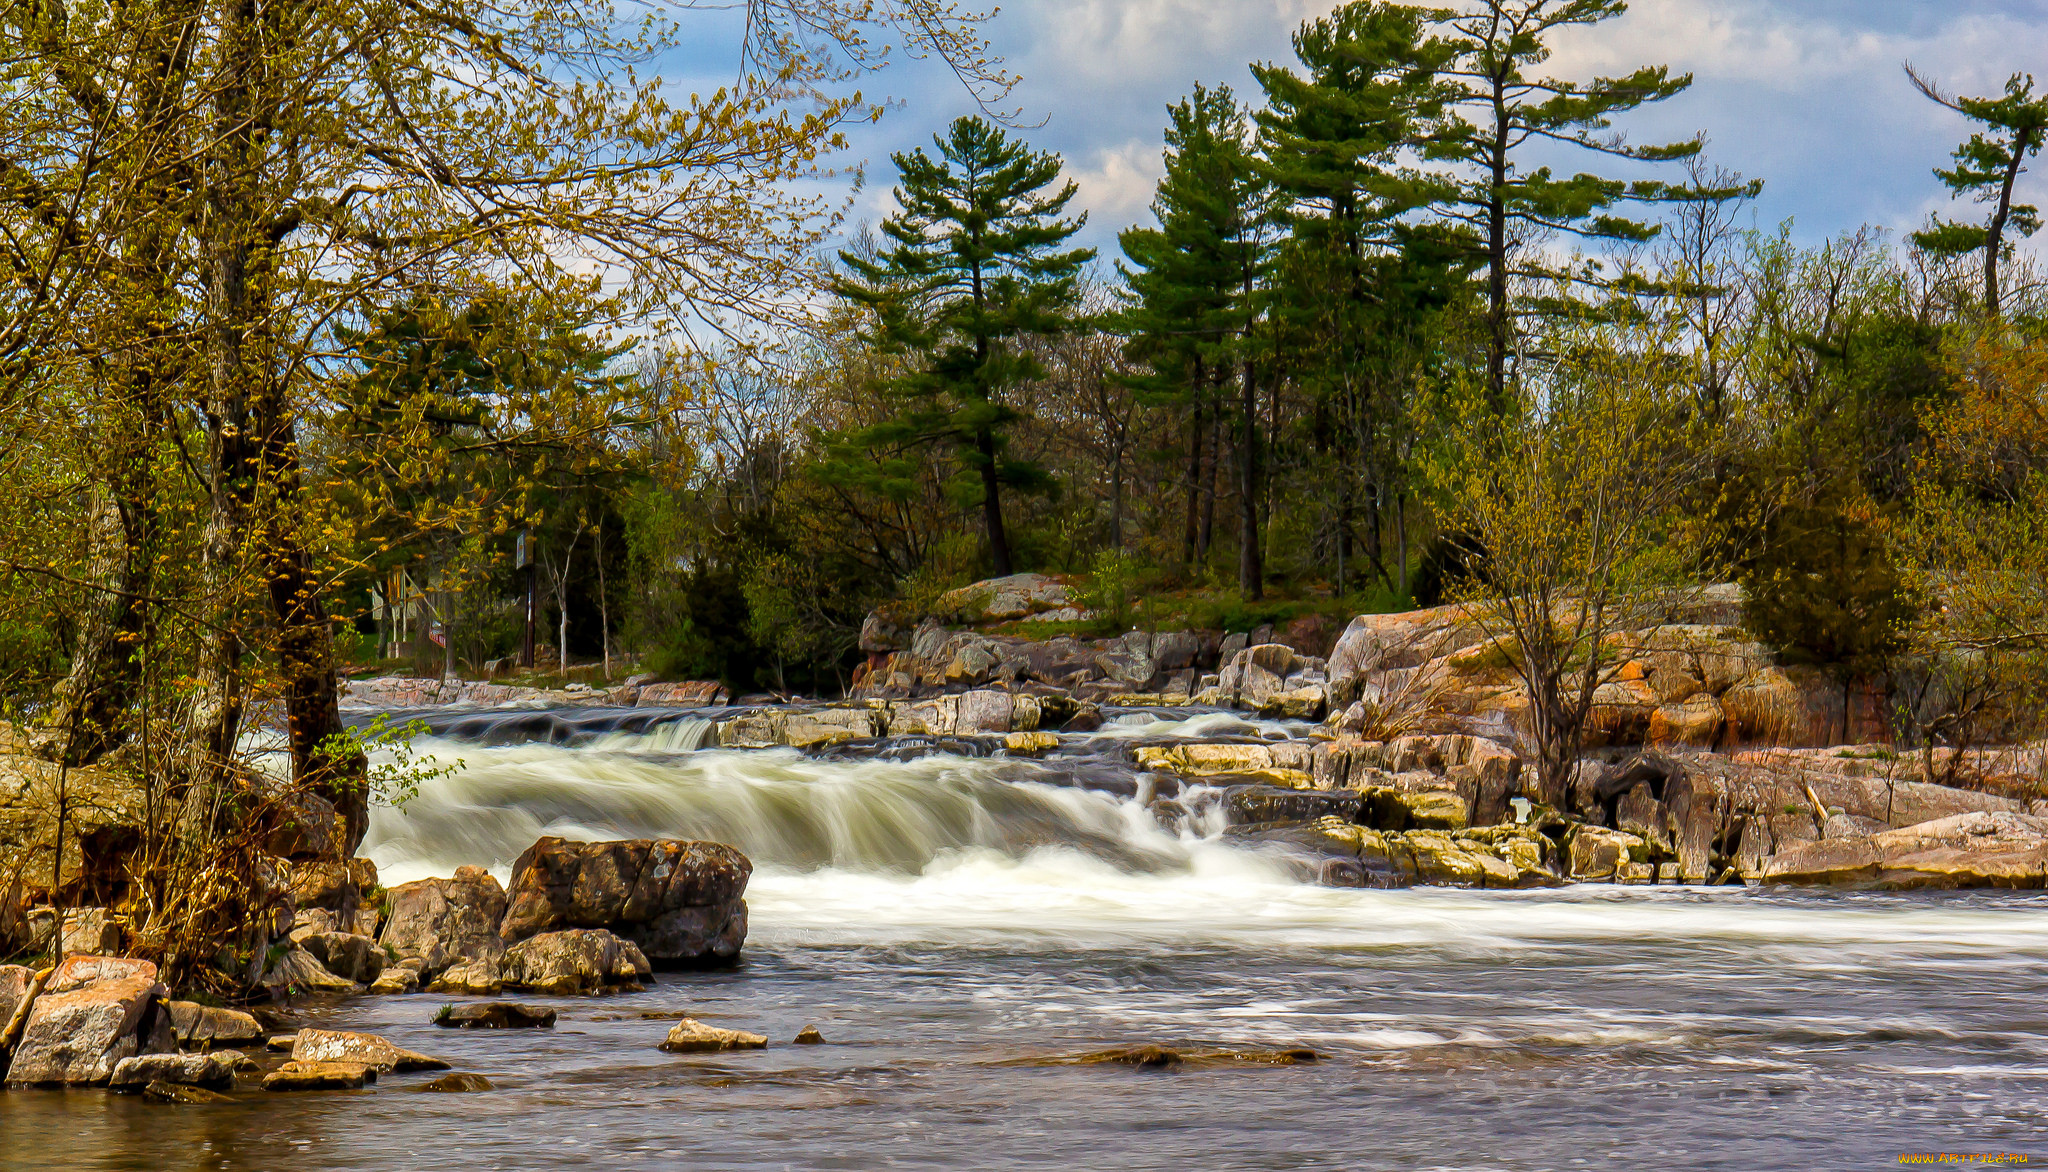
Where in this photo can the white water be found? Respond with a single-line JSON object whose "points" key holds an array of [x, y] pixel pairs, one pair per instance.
{"points": [[983, 852]]}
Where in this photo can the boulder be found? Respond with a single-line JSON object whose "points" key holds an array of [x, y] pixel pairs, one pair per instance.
{"points": [[319, 1076], [811, 728], [345, 954], [1250, 804], [93, 1012], [1598, 853], [496, 1015], [573, 961], [442, 921], [679, 902], [809, 1036], [203, 1026], [322, 1046], [690, 1036], [470, 978], [193, 1070], [1967, 850], [396, 981]]}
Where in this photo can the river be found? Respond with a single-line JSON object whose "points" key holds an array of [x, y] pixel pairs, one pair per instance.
{"points": [[962, 927]]}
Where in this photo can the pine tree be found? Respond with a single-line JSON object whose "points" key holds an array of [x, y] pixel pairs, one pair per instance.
{"points": [[976, 264], [1986, 168], [1496, 109], [1193, 285], [1331, 138]]}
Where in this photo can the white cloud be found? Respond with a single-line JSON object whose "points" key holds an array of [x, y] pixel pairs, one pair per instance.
{"points": [[1118, 187]]}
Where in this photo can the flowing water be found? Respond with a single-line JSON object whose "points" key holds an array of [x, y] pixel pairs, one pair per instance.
{"points": [[959, 924]]}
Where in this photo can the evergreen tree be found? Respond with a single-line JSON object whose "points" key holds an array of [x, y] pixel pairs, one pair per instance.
{"points": [[1352, 279], [976, 263], [1496, 109], [1986, 168], [1193, 283]]}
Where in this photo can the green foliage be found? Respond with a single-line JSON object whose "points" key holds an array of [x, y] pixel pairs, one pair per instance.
{"points": [[396, 779], [1987, 165], [976, 264], [1107, 588], [1824, 590]]}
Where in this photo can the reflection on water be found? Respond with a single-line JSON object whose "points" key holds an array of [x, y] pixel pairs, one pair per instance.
{"points": [[942, 918]]}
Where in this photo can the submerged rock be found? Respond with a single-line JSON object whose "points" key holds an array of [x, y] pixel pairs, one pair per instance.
{"points": [[319, 1076], [691, 1036], [809, 1036], [170, 1092], [460, 1082], [496, 1015]]}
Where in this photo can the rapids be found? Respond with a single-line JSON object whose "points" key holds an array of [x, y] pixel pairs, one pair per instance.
{"points": [[951, 918]]}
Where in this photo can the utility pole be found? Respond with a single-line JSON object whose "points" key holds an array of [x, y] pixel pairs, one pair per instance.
{"points": [[523, 560]]}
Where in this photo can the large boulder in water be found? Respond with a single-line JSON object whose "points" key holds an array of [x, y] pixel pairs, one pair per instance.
{"points": [[93, 1012], [442, 921], [680, 902]]}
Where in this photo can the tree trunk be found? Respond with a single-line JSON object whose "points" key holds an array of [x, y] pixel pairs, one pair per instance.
{"points": [[1250, 574], [1212, 466], [992, 503], [1190, 528]]}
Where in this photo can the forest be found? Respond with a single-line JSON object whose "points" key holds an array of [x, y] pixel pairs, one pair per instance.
{"points": [[317, 318]]}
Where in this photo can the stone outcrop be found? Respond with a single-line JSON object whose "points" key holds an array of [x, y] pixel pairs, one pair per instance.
{"points": [[1977, 849], [319, 1076], [92, 1013], [681, 903], [442, 921]]}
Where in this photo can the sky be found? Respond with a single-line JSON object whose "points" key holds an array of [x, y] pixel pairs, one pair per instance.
{"points": [[1808, 95]]}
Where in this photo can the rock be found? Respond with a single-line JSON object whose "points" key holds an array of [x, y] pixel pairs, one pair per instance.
{"points": [[1444, 861], [396, 981], [281, 1043], [93, 1012], [319, 1076], [573, 961], [1249, 804], [1967, 850], [327, 885], [201, 1026], [91, 931], [197, 1070], [1030, 744], [345, 954], [169, 1092], [298, 971], [460, 1082], [1694, 721], [686, 694], [442, 921], [326, 1046], [16, 984], [679, 902], [470, 978], [1311, 635], [691, 1036], [1599, 853], [496, 1015], [809, 1036]]}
